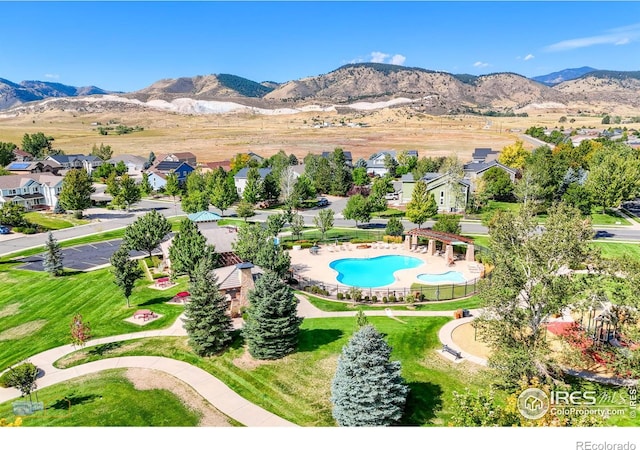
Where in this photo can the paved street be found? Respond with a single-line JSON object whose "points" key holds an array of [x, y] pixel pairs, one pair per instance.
{"points": [[111, 220]]}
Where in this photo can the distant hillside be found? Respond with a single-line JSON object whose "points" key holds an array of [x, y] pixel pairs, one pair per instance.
{"points": [[202, 87], [362, 86], [12, 94], [564, 75]]}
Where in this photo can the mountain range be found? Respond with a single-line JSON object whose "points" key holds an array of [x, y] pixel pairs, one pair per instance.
{"points": [[350, 87]]}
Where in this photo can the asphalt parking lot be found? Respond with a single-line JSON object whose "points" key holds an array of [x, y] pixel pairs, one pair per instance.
{"points": [[83, 257]]}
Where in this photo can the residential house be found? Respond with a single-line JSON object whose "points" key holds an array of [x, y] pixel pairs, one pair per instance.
{"points": [[475, 170], [135, 164], [480, 155], [214, 165], [375, 163], [240, 178], [347, 156], [157, 180], [186, 157], [33, 192], [28, 167], [87, 162], [22, 156], [181, 169], [255, 157], [450, 194]]}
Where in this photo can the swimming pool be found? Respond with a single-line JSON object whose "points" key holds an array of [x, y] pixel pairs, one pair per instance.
{"points": [[372, 272], [452, 276]]}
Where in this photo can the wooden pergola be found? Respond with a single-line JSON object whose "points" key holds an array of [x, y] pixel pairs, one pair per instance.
{"points": [[450, 239]]}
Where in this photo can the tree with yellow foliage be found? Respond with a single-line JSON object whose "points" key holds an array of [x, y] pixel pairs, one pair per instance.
{"points": [[514, 155], [16, 423]]}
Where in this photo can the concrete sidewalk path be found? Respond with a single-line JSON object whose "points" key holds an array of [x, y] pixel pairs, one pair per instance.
{"points": [[205, 384]]}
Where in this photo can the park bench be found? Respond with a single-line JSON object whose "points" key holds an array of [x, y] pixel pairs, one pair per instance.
{"points": [[446, 348]]}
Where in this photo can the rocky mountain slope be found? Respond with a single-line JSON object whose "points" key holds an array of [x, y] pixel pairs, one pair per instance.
{"points": [[353, 86], [27, 91]]}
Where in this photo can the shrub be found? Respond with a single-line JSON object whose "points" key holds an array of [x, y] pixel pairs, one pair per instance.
{"points": [[392, 298], [366, 298], [361, 241], [392, 239], [384, 299], [374, 299], [347, 296], [340, 296], [4, 379]]}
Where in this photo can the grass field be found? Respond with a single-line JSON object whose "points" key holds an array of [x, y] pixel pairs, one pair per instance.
{"points": [[327, 305], [297, 387], [53, 221], [36, 309], [618, 249], [97, 401]]}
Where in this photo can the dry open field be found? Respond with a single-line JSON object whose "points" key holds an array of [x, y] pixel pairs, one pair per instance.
{"points": [[216, 137]]}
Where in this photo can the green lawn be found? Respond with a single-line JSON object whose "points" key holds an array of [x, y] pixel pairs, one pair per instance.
{"points": [[618, 249], [97, 401], [328, 305], [298, 387], [53, 221], [389, 212], [36, 309]]}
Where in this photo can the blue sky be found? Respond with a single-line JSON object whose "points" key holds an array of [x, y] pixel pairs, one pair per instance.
{"points": [[128, 45]]}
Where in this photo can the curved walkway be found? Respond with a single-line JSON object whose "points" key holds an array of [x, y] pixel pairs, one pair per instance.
{"points": [[211, 388]]}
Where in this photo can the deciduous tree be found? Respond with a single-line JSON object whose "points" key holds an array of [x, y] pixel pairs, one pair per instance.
{"points": [[188, 248], [514, 155], [125, 271], [6, 153], [422, 205], [76, 191], [358, 209], [80, 331], [324, 221], [147, 232]]}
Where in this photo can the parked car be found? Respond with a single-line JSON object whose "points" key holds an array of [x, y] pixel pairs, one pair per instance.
{"points": [[323, 202], [4, 230], [391, 196]]}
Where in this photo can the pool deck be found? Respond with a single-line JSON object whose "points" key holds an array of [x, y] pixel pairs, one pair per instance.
{"points": [[316, 266]]}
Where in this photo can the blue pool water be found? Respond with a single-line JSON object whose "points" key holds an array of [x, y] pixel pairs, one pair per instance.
{"points": [[372, 272], [438, 278]]}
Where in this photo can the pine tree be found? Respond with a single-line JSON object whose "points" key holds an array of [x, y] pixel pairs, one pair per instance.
{"points": [[367, 389], [207, 322], [272, 324], [125, 270], [53, 256]]}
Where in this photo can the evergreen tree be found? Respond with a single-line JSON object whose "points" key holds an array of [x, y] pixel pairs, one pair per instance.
{"points": [[422, 205], [340, 173], [270, 188], [147, 232], [188, 248], [272, 324], [76, 191], [207, 322], [125, 270], [367, 389], [53, 256]]}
